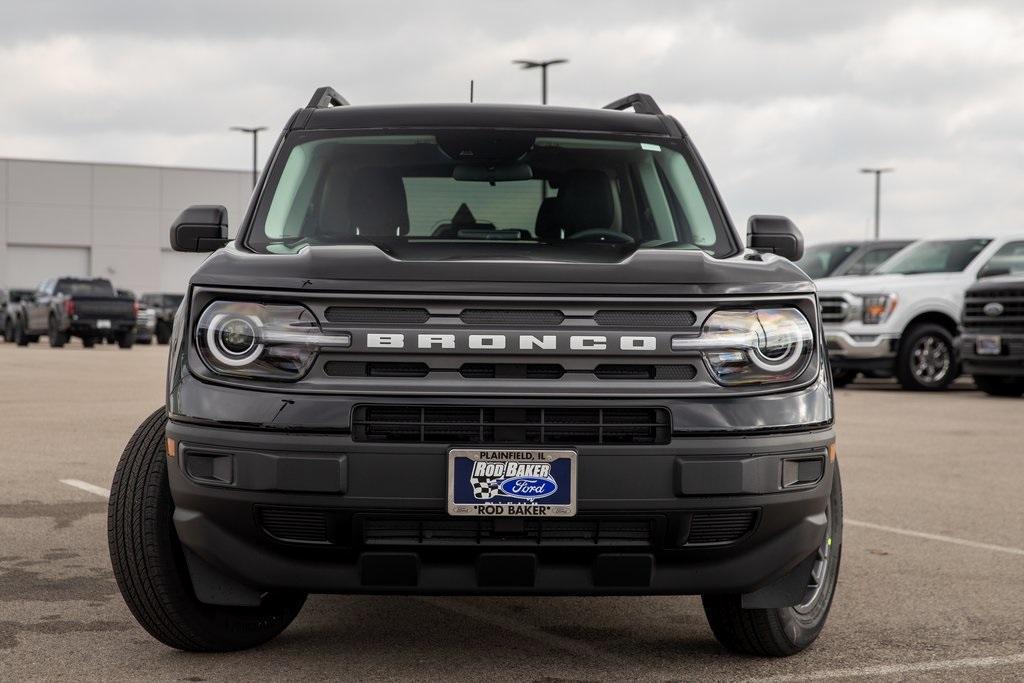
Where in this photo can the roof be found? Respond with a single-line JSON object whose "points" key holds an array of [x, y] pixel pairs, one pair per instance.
{"points": [[536, 117]]}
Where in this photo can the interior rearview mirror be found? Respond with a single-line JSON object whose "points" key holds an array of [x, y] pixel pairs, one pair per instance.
{"points": [[775, 235], [200, 228]]}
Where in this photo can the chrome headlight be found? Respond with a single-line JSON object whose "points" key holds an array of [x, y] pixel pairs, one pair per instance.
{"points": [[763, 346], [876, 308], [265, 341]]}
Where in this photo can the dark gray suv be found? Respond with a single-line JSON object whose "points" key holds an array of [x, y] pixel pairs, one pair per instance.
{"points": [[485, 350]]}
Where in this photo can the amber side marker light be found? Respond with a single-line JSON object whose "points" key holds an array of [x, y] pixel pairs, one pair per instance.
{"points": [[831, 452], [172, 447]]}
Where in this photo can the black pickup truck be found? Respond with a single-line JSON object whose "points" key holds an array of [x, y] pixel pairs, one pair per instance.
{"points": [[65, 307]]}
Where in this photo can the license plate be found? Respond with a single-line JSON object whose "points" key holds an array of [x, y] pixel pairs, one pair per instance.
{"points": [[988, 345], [102, 324], [511, 482]]}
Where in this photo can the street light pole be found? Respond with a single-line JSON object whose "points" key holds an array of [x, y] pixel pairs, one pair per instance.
{"points": [[255, 132], [543, 66], [878, 194]]}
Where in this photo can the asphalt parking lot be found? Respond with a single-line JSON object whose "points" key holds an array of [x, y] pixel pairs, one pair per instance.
{"points": [[932, 582]]}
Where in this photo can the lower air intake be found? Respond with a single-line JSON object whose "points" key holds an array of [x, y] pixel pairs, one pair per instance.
{"points": [[720, 526]]}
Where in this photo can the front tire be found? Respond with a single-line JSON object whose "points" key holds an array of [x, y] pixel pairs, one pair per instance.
{"points": [[926, 361], [149, 564], [1000, 386], [784, 631], [163, 333]]}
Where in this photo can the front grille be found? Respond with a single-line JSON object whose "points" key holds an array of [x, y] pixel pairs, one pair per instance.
{"points": [[354, 369], [507, 532], [834, 309], [1010, 320], [376, 315], [512, 370], [720, 526], [635, 319], [550, 426], [500, 318], [656, 372], [296, 525]]}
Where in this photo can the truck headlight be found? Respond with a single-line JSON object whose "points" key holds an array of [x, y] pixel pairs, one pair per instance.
{"points": [[764, 346], [267, 341], [877, 307]]}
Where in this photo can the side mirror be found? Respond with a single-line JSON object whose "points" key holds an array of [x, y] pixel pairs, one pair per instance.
{"points": [[775, 235], [993, 272], [200, 228]]}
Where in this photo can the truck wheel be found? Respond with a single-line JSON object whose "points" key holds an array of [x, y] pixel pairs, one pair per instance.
{"points": [[163, 333], [149, 564], [57, 337], [88, 342], [926, 361], [20, 337], [784, 631], [840, 378], [1000, 386], [8, 331], [125, 339]]}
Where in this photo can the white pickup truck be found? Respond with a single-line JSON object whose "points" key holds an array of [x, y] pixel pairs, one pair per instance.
{"points": [[902, 319]]}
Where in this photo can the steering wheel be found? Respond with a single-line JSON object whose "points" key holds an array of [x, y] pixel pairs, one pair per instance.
{"points": [[602, 235]]}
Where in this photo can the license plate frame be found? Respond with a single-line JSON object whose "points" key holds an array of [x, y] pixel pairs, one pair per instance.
{"points": [[512, 500], [988, 345]]}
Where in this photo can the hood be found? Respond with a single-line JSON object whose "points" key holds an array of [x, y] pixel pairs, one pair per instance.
{"points": [[367, 268], [870, 284], [996, 283]]}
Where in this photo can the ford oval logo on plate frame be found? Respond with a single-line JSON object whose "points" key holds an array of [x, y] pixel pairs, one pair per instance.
{"points": [[528, 488]]}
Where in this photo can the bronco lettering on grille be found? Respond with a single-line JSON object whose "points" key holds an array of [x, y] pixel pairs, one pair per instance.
{"points": [[521, 342]]}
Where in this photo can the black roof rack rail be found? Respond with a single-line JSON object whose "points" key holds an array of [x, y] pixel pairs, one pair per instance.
{"points": [[638, 102], [325, 97]]}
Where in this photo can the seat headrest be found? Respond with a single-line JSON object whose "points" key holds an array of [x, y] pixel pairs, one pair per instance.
{"points": [[377, 204], [585, 201], [332, 210], [546, 227]]}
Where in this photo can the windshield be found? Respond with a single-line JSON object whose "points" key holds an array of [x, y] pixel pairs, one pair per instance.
{"points": [[934, 256], [85, 287], [494, 192], [822, 260]]}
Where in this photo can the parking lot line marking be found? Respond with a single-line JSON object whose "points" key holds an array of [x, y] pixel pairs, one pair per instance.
{"points": [[535, 634], [900, 669], [86, 486], [936, 537]]}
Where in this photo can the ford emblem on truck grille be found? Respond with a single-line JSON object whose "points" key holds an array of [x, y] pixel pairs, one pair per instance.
{"points": [[993, 309]]}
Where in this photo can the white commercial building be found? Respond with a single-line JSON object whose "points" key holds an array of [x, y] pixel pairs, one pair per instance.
{"points": [[105, 220]]}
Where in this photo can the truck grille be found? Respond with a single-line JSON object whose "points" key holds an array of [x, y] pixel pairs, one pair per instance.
{"points": [[834, 309], [1010, 320], [549, 426]]}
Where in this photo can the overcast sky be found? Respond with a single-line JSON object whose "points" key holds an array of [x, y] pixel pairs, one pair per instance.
{"points": [[786, 100]]}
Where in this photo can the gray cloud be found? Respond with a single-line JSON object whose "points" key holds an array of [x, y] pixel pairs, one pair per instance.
{"points": [[785, 99]]}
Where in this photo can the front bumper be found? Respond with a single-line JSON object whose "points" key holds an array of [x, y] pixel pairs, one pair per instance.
{"points": [[1009, 362], [318, 512]]}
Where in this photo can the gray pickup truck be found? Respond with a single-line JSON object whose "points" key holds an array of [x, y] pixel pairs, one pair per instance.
{"points": [[65, 307]]}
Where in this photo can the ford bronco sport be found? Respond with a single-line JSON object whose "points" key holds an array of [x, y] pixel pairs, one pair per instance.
{"points": [[485, 350]]}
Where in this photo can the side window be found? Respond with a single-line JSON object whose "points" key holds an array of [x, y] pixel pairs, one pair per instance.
{"points": [[1009, 260]]}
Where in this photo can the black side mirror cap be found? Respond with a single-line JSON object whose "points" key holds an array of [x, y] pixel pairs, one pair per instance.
{"points": [[775, 235], [200, 228]]}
